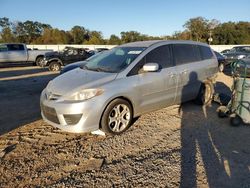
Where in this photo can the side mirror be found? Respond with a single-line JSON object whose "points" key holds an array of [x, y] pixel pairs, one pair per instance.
{"points": [[150, 67]]}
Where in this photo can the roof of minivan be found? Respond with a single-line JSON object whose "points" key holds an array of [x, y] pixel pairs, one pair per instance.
{"points": [[152, 42]]}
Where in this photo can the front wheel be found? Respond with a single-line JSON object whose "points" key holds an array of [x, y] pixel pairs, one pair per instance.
{"points": [[54, 66], [117, 117], [236, 120]]}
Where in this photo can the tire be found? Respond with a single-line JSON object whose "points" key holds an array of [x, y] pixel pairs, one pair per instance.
{"points": [[38, 61], [236, 121], [205, 95], [117, 117], [221, 67], [55, 66]]}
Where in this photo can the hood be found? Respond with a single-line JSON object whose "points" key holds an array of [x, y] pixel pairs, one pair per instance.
{"points": [[51, 54], [78, 79]]}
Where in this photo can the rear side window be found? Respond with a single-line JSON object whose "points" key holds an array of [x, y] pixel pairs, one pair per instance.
{"points": [[186, 53], [161, 55], [15, 47], [206, 52]]}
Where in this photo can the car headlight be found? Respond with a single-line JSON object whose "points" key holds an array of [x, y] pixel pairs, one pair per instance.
{"points": [[241, 56], [85, 94]]}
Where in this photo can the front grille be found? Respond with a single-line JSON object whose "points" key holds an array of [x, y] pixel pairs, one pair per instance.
{"points": [[72, 119], [50, 114]]}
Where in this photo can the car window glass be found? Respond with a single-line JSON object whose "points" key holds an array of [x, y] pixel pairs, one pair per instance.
{"points": [[160, 55], [206, 52], [186, 53], [3, 48], [15, 47]]}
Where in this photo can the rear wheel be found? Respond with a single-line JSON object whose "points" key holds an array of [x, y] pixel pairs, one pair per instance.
{"points": [[54, 66], [38, 61], [205, 94], [236, 121], [117, 117]]}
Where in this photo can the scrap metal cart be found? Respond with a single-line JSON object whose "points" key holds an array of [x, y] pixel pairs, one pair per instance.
{"points": [[238, 109]]}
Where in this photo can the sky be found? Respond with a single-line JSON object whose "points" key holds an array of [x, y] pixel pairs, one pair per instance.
{"points": [[152, 17]]}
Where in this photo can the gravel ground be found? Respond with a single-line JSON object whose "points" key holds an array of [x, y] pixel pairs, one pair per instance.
{"points": [[179, 146]]}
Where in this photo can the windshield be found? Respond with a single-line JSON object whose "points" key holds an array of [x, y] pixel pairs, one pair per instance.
{"points": [[114, 60]]}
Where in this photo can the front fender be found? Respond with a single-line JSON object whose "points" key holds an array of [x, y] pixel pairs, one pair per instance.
{"points": [[54, 59]]}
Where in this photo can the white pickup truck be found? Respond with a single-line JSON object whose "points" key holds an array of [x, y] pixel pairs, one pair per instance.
{"points": [[16, 52]]}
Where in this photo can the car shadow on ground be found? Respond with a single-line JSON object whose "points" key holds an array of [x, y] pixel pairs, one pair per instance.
{"points": [[8, 73], [19, 98], [224, 150]]}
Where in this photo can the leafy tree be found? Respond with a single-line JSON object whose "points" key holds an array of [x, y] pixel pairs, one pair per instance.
{"points": [[7, 35], [95, 37], [54, 36], [181, 35], [4, 22], [29, 31], [198, 28], [130, 36], [114, 40], [79, 34], [232, 33]]}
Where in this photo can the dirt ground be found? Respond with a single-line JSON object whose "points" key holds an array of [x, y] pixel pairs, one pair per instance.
{"points": [[179, 146]]}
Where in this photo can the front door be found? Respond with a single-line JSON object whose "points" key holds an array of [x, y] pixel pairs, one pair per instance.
{"points": [[16, 53], [157, 89]]}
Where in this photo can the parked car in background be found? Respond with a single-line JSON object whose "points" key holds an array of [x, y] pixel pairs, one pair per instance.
{"points": [[222, 62], [238, 52], [72, 66], [79, 63], [17, 52], [55, 60], [101, 49], [225, 51], [111, 90], [97, 50]]}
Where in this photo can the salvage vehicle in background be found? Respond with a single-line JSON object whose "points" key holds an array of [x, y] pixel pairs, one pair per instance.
{"points": [[55, 60], [225, 51], [110, 91], [17, 52], [222, 62], [236, 53], [79, 63]]}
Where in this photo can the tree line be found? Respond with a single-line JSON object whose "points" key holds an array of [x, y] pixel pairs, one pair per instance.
{"points": [[197, 29]]}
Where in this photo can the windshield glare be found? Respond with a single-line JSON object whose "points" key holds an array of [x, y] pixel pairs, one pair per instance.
{"points": [[114, 60]]}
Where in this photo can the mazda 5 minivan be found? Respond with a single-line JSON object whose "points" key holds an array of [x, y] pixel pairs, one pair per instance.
{"points": [[112, 89]]}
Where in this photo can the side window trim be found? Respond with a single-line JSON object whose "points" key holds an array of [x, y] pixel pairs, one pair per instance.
{"points": [[132, 72]]}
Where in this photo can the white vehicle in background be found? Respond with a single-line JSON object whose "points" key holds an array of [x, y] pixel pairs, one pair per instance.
{"points": [[17, 52]]}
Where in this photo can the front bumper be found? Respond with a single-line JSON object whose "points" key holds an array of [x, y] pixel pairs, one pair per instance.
{"points": [[75, 117]]}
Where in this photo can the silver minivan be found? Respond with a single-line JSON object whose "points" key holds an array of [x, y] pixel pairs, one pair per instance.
{"points": [[112, 89]]}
